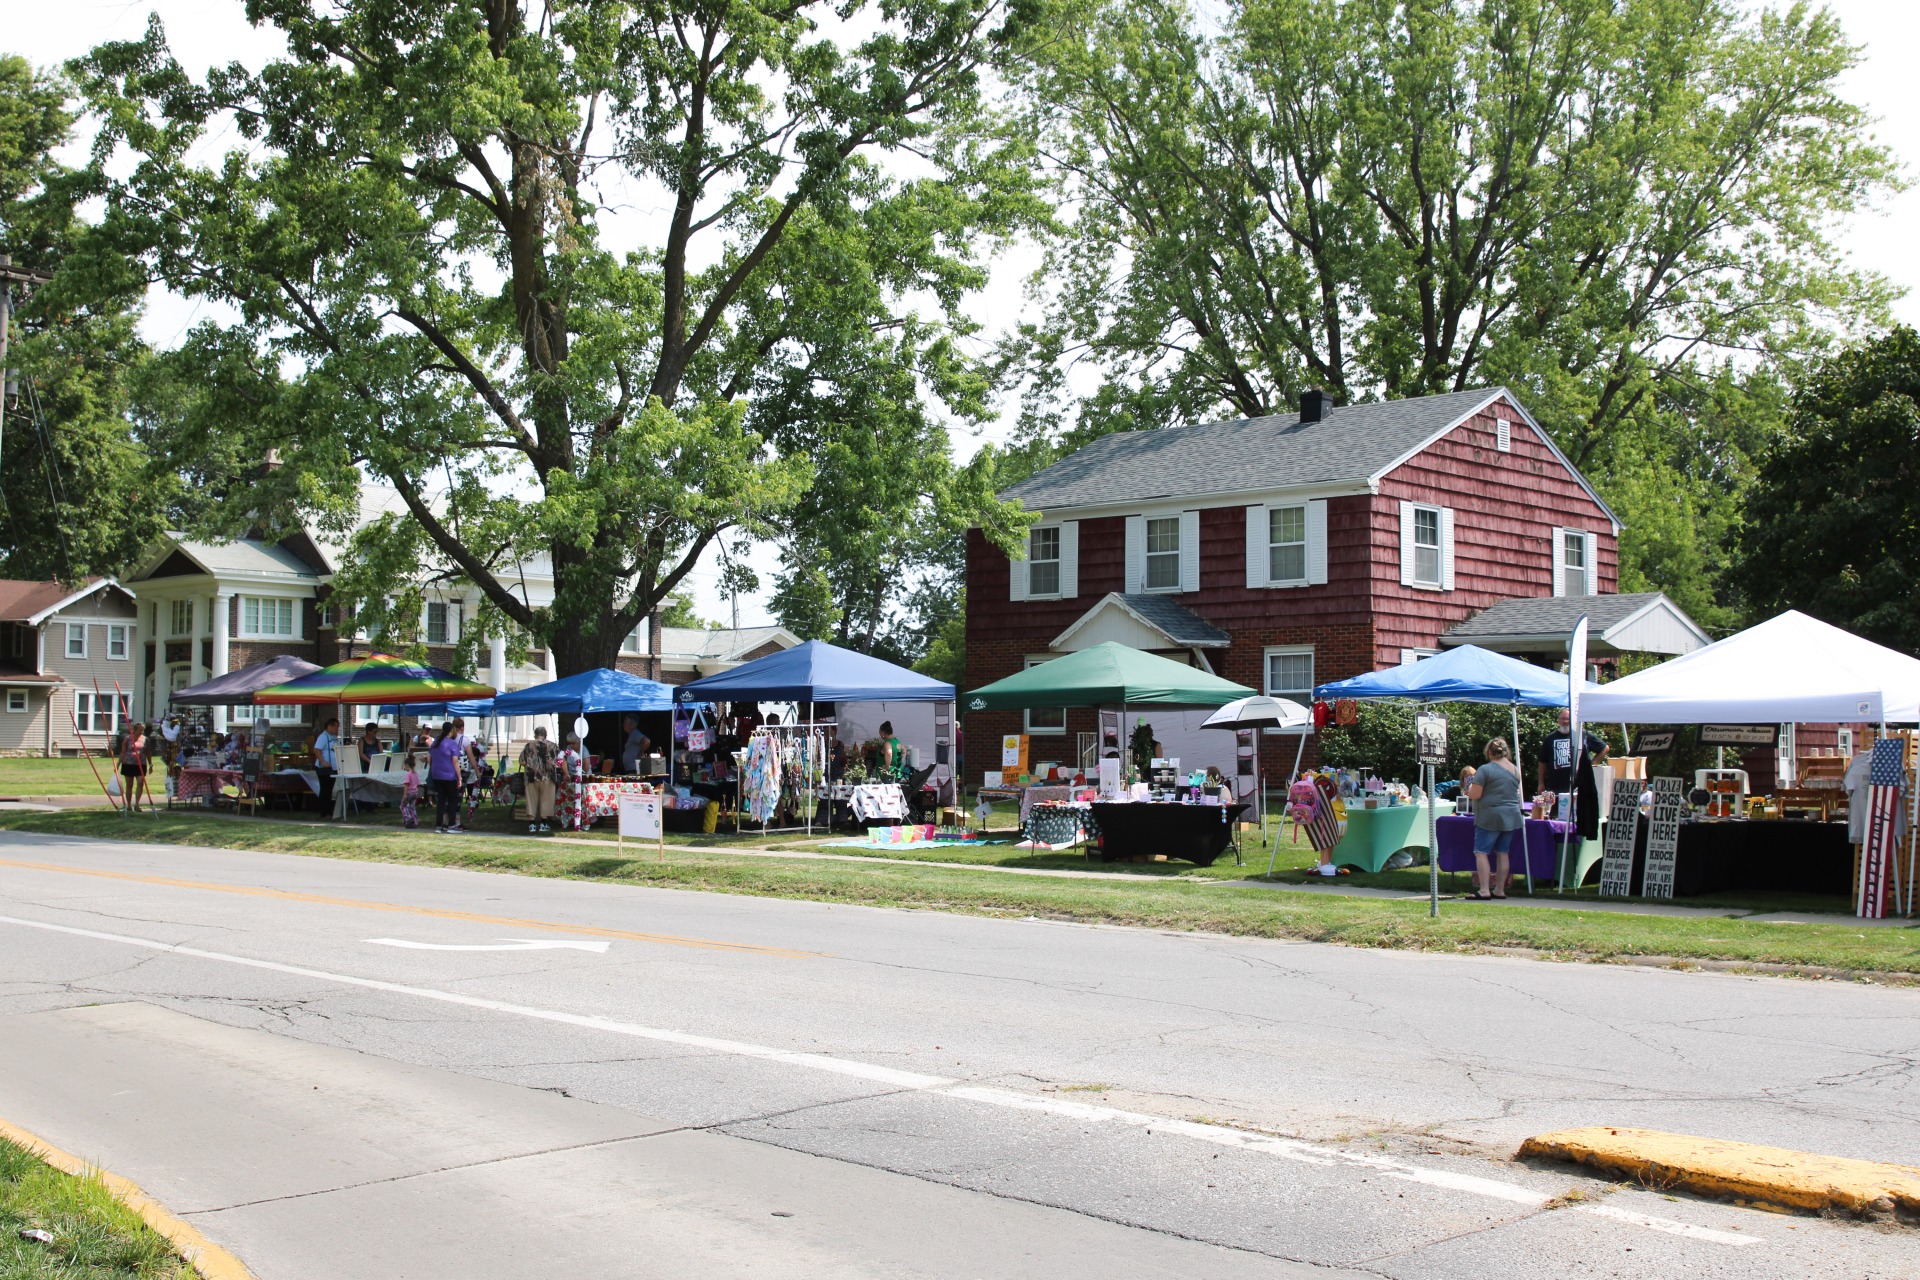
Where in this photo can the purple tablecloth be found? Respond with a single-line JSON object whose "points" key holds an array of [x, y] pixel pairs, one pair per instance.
{"points": [[1456, 846]]}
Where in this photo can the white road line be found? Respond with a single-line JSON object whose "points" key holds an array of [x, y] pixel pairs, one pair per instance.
{"points": [[1221, 1135]]}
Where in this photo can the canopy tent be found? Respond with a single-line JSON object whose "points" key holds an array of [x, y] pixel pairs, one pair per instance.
{"points": [[237, 688], [1106, 674], [1466, 674], [816, 672], [602, 689], [1789, 669], [425, 710], [373, 680], [1260, 712]]}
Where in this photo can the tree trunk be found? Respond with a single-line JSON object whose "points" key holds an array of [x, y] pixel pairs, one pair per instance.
{"points": [[575, 651]]}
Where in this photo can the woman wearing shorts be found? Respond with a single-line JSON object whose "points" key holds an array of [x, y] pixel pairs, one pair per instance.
{"points": [[133, 768], [1495, 792]]}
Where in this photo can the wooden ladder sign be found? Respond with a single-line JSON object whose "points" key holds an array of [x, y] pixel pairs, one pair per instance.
{"points": [[1663, 837]]}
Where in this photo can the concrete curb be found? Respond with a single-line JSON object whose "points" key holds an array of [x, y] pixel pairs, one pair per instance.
{"points": [[1738, 1170], [207, 1258]]}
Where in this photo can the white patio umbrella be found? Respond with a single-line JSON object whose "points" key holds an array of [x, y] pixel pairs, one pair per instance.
{"points": [[1264, 712]]}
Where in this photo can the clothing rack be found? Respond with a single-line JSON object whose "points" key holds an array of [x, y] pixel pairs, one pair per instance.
{"points": [[800, 748]]}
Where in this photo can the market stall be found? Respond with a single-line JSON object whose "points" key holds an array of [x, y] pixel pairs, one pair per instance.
{"points": [[1463, 674], [1138, 814], [605, 692], [1792, 669], [786, 768]]}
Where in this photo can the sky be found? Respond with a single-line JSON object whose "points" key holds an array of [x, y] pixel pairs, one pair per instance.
{"points": [[205, 33]]}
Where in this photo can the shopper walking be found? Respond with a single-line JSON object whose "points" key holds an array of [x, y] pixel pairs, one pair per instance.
{"points": [[133, 768], [1495, 792], [443, 771], [539, 761]]}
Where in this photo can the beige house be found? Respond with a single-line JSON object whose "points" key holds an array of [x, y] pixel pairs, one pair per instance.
{"points": [[68, 665]]}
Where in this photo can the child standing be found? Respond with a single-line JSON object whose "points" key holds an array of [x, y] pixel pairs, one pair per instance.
{"points": [[410, 795]]}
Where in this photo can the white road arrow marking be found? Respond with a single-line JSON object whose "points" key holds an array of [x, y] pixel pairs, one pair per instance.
{"points": [[504, 944]]}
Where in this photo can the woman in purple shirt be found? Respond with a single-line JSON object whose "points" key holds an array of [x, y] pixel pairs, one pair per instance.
{"points": [[443, 771]]}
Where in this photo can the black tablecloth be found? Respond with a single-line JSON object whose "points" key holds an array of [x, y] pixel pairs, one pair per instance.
{"points": [[1196, 832], [1783, 854]]}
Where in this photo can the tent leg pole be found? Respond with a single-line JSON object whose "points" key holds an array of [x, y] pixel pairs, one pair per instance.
{"points": [[1526, 855], [1433, 849]]}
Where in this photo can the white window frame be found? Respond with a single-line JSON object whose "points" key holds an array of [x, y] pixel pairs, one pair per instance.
{"points": [[73, 629], [1589, 570], [1148, 555], [178, 626], [450, 621], [120, 632], [1410, 548], [1409, 656], [275, 713], [1437, 546], [259, 606], [1304, 542], [1035, 560], [87, 711], [1287, 651], [1572, 542], [1027, 724], [17, 702]]}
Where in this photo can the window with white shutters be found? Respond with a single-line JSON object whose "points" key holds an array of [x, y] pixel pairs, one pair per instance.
{"points": [[1163, 554], [1043, 561], [438, 629], [1287, 544], [1426, 546]]}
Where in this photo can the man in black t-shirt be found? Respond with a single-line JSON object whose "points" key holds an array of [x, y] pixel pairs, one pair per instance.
{"points": [[1555, 771]]}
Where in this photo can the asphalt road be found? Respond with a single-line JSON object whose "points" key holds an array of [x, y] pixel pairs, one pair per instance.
{"points": [[303, 1056]]}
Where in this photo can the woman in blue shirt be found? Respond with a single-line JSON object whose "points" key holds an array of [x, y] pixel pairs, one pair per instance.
{"points": [[1495, 792]]}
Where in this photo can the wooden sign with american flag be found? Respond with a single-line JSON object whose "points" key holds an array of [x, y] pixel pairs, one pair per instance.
{"points": [[1885, 775]]}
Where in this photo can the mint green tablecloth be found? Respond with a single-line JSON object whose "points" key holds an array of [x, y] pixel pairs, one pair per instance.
{"points": [[1374, 835]]}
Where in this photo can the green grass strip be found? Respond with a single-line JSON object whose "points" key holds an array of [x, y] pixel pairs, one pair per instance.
{"points": [[95, 1237]]}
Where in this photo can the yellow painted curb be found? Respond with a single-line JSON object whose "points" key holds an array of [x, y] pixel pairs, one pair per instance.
{"points": [[1710, 1166], [208, 1258]]}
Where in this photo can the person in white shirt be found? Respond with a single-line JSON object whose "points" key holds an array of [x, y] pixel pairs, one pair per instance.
{"points": [[326, 762]]}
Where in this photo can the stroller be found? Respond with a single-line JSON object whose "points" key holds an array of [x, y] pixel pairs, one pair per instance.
{"points": [[477, 784]]}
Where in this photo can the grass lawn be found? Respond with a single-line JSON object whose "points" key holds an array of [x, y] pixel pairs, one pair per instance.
{"points": [[1181, 902], [95, 1237], [37, 776]]}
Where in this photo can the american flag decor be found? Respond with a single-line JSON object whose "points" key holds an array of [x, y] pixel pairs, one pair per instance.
{"points": [[1885, 775], [1323, 831]]}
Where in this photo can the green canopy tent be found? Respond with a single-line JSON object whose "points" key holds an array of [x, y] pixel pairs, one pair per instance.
{"points": [[1106, 675]]}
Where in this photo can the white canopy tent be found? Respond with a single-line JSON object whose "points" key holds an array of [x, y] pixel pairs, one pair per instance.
{"points": [[1790, 669]]}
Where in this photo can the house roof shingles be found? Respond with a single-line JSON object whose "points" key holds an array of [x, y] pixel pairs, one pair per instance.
{"points": [[1350, 445], [21, 599], [1177, 622], [1548, 616]]}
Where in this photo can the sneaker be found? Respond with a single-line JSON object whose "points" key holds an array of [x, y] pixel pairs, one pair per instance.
{"points": [[1326, 869], [439, 831], [544, 827], [533, 828], [456, 830]]}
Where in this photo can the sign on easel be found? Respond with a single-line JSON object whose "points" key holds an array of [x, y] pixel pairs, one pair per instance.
{"points": [[1663, 837], [642, 818], [1623, 824]]}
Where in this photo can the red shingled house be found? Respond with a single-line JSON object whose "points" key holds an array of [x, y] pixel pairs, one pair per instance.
{"points": [[1286, 551]]}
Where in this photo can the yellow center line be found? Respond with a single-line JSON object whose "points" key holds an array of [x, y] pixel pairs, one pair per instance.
{"points": [[472, 917]]}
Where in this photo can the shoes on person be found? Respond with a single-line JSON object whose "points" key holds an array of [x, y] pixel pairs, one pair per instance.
{"points": [[1326, 869], [439, 831], [533, 828], [456, 830], [546, 828]]}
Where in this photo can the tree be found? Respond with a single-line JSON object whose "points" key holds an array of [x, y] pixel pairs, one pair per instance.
{"points": [[679, 612], [1619, 208], [1833, 518], [422, 237], [76, 494]]}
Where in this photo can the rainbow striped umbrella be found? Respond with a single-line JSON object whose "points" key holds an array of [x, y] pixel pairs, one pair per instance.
{"points": [[374, 679]]}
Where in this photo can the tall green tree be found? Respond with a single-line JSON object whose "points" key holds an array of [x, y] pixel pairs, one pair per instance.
{"points": [[1833, 517], [422, 233], [76, 494], [1620, 208]]}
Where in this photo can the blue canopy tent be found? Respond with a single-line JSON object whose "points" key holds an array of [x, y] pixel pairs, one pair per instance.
{"points": [[1466, 674], [816, 672], [602, 689]]}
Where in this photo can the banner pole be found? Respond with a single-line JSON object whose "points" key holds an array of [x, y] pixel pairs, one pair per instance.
{"points": [[1433, 849]]}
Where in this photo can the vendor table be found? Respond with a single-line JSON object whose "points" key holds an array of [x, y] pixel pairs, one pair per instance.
{"points": [[1058, 822], [1543, 849], [1784, 854], [1198, 833], [584, 803], [1374, 835], [384, 787], [198, 784]]}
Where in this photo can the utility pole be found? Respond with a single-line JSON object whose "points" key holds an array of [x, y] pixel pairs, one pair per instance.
{"points": [[10, 275]]}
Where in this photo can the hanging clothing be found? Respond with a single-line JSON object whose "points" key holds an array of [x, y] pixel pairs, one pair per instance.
{"points": [[760, 780]]}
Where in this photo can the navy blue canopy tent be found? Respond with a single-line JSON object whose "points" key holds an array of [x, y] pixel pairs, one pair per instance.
{"points": [[1465, 674], [602, 689], [817, 672]]}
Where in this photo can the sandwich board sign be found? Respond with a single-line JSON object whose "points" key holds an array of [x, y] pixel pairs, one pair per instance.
{"points": [[642, 818], [1663, 837], [1623, 823]]}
